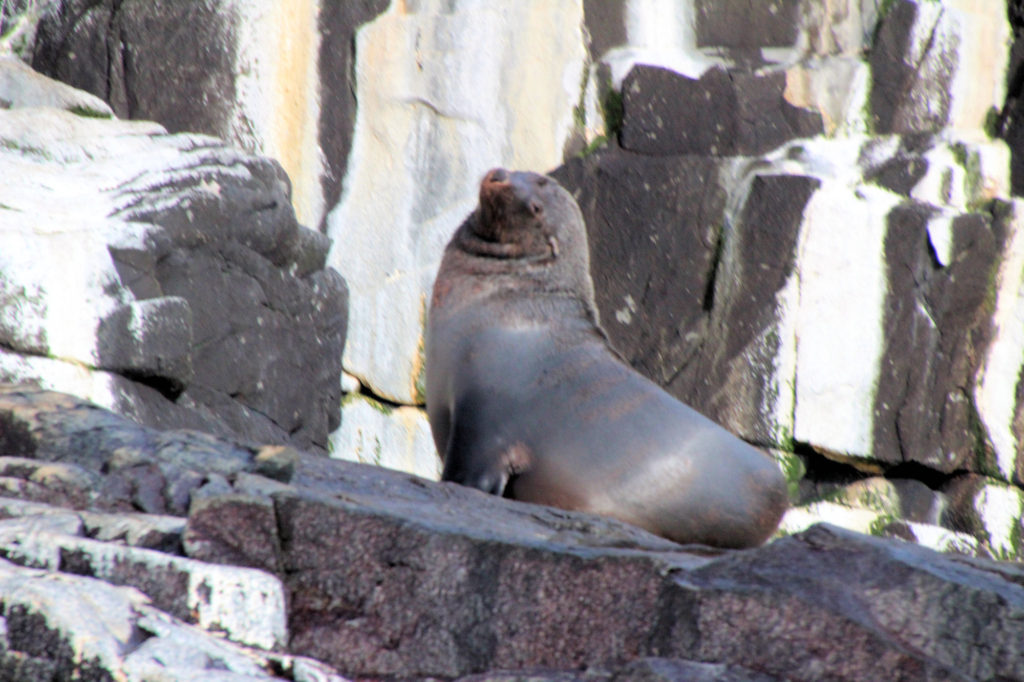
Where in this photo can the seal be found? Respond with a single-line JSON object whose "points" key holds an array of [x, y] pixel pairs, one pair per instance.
{"points": [[527, 399]]}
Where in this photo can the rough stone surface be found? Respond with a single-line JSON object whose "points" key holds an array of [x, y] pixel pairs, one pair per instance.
{"points": [[936, 310], [388, 436], [936, 65], [738, 113], [247, 73], [213, 532], [169, 279], [46, 637], [391, 575], [446, 80]]}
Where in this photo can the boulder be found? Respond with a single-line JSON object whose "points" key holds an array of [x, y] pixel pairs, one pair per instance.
{"points": [[739, 113], [164, 276], [272, 82], [392, 575]]}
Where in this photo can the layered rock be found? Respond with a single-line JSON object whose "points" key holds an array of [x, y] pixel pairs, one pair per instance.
{"points": [[164, 276], [852, 295], [391, 575], [270, 77], [800, 222]]}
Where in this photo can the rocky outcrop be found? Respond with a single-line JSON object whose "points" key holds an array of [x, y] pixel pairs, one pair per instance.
{"points": [[801, 224], [850, 298], [164, 276], [295, 559], [271, 77]]}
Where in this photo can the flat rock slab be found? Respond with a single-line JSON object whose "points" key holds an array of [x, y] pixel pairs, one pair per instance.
{"points": [[391, 575]]}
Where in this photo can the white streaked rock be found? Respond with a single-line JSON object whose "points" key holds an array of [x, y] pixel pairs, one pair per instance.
{"points": [[1000, 509], [839, 317], [801, 518], [393, 437], [995, 393], [246, 604], [277, 108], [443, 97]]}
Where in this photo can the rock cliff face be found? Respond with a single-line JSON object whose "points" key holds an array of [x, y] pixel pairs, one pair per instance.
{"points": [[802, 219], [803, 222], [164, 276]]}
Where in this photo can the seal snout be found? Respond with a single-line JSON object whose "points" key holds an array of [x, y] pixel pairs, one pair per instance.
{"points": [[494, 184], [495, 176]]}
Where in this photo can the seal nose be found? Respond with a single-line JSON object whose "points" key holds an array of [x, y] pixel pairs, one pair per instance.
{"points": [[493, 187], [495, 176]]}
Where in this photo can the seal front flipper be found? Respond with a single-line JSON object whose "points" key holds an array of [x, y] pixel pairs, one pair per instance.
{"points": [[485, 468]]}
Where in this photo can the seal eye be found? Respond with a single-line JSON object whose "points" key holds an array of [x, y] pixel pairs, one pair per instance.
{"points": [[536, 208]]}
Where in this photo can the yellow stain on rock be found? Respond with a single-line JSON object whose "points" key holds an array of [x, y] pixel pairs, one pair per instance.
{"points": [[293, 135]]}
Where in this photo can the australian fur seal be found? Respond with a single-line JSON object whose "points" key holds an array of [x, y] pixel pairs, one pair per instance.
{"points": [[526, 398]]}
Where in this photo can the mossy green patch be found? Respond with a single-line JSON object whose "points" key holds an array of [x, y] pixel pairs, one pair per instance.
{"points": [[984, 453], [26, 149], [88, 112], [793, 469], [419, 382], [992, 122], [879, 526], [613, 110], [386, 410], [595, 144]]}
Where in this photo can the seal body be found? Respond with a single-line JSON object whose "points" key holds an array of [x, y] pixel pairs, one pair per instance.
{"points": [[526, 398]]}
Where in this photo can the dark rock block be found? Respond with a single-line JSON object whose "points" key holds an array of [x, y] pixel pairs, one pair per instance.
{"points": [[267, 321], [911, 72], [120, 52], [654, 227], [936, 328], [606, 25], [721, 114], [150, 341], [338, 23], [688, 304], [902, 171], [747, 26], [234, 529], [728, 380], [835, 579], [1010, 123], [481, 602], [142, 469]]}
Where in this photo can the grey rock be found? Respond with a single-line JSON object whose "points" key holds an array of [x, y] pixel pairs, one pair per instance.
{"points": [[234, 529], [190, 293], [150, 341], [913, 62], [246, 604], [20, 86], [59, 626], [744, 26], [738, 113], [935, 311], [149, 531]]}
